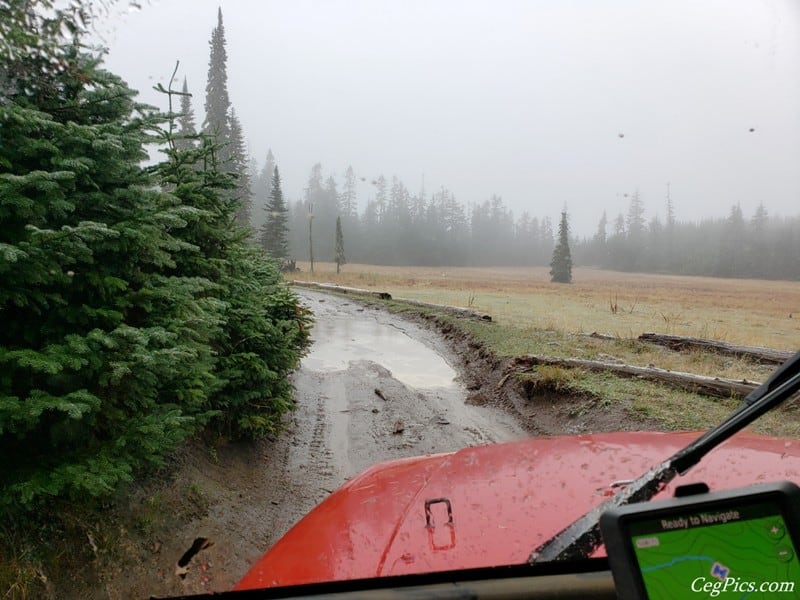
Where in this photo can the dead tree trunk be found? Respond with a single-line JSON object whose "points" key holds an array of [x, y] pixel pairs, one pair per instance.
{"points": [[455, 310], [332, 287], [700, 384], [755, 353]]}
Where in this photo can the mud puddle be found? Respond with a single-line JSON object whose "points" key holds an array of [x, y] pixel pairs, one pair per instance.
{"points": [[381, 388], [342, 336]]}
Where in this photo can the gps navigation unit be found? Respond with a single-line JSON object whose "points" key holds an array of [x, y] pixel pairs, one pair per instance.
{"points": [[734, 544]]}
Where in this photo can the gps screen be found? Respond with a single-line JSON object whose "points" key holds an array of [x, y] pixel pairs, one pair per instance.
{"points": [[727, 552]]}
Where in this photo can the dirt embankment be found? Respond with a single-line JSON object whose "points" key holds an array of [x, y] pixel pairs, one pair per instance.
{"points": [[374, 387]]}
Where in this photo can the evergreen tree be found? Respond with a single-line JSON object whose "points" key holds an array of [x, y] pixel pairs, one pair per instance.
{"points": [[635, 220], [132, 316], [223, 126], [38, 38], [561, 265], [218, 103], [759, 261], [670, 211], [730, 260], [600, 236], [239, 165], [349, 208], [380, 197], [261, 328], [262, 188], [340, 258], [187, 130], [103, 368], [274, 232]]}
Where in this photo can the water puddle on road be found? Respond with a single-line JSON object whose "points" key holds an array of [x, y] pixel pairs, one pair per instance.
{"points": [[342, 336]]}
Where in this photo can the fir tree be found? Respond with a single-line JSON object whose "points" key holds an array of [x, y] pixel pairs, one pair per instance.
{"points": [[262, 188], [381, 197], [561, 264], [103, 371], [260, 326], [187, 130], [340, 258], [218, 103], [239, 166], [132, 316], [275, 230], [348, 199], [224, 127]]}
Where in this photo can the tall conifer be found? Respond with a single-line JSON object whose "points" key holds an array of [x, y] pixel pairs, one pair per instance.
{"points": [[218, 102], [275, 230], [561, 265], [339, 251], [222, 125], [239, 166], [187, 129]]}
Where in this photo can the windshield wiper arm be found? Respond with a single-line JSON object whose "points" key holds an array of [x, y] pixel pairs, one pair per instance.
{"points": [[579, 539]]}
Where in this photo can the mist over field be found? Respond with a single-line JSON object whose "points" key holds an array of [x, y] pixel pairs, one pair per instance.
{"points": [[546, 105], [169, 387]]}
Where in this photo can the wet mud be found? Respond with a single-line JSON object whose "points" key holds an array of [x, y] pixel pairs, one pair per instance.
{"points": [[373, 387]]}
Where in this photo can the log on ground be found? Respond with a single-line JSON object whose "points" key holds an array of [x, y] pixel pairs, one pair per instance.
{"points": [[701, 384], [341, 289], [755, 353]]}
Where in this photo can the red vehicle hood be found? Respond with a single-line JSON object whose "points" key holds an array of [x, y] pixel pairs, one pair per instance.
{"points": [[506, 499]]}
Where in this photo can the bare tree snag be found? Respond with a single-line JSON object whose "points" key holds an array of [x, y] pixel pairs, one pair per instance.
{"points": [[755, 353]]}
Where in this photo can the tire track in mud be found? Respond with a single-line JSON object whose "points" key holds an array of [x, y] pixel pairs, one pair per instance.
{"points": [[367, 398], [254, 493]]}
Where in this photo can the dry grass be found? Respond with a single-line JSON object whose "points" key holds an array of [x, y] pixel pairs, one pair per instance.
{"points": [[750, 312], [532, 315]]}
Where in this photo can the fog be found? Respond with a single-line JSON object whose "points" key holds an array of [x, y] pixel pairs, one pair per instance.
{"points": [[547, 104]]}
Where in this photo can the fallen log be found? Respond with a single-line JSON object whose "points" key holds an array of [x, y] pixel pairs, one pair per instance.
{"points": [[456, 310], [701, 384], [333, 287], [755, 353]]}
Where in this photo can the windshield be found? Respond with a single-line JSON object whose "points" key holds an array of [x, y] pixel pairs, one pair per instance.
{"points": [[456, 273]]}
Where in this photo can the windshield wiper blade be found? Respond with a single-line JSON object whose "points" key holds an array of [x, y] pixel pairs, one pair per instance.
{"points": [[579, 539]]}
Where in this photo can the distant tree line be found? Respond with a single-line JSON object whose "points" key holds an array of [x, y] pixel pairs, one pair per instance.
{"points": [[401, 227], [758, 246]]}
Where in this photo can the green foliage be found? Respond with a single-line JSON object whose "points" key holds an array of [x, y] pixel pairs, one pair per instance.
{"points": [[223, 126], [260, 328], [339, 253], [561, 265], [97, 366], [273, 233], [134, 312], [264, 329]]}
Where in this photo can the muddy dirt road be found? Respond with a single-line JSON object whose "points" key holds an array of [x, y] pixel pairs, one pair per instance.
{"points": [[373, 387]]}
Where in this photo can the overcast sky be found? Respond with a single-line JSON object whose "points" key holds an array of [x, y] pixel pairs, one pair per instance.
{"points": [[545, 103]]}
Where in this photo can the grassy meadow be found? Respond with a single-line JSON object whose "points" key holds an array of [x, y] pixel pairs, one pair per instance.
{"points": [[749, 312], [532, 315]]}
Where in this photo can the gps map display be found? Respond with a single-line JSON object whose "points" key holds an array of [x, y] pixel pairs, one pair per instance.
{"points": [[730, 552], [712, 546]]}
